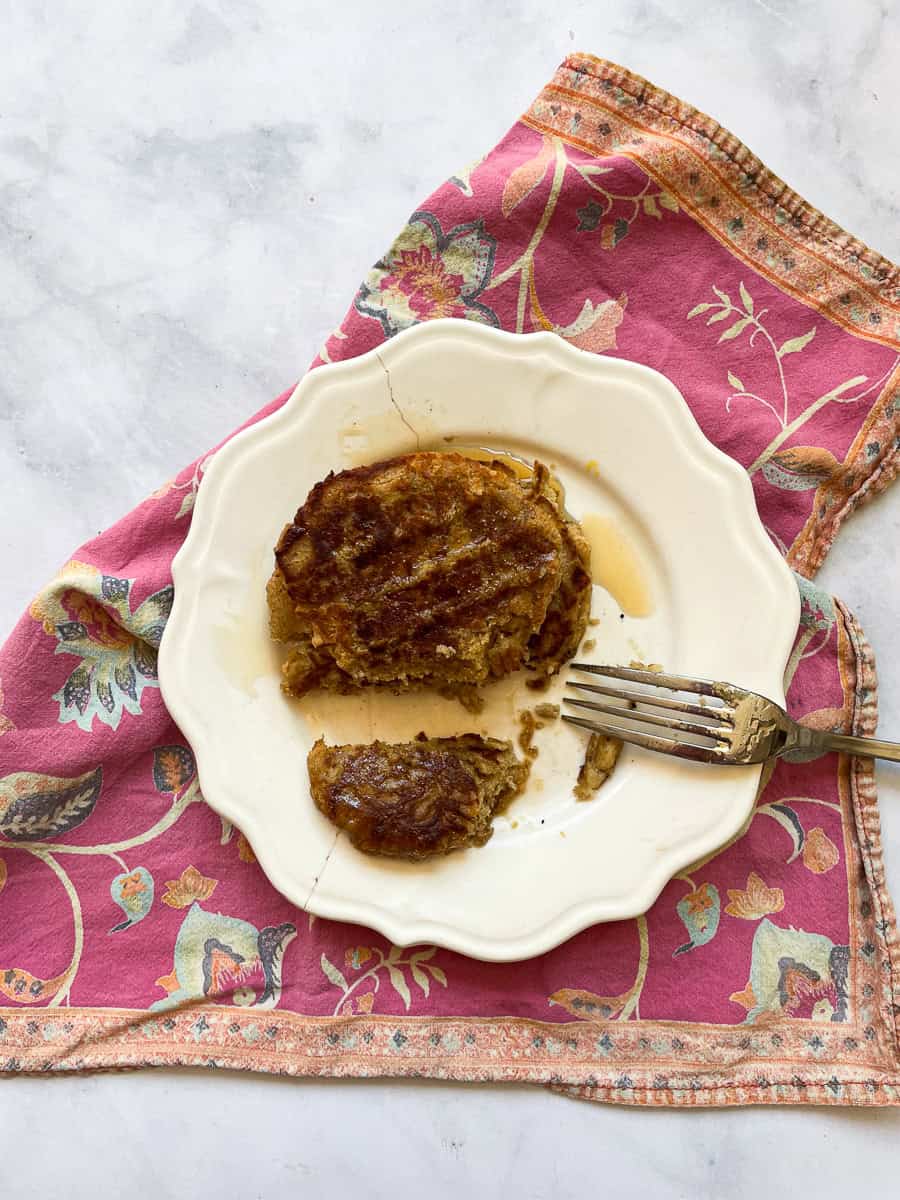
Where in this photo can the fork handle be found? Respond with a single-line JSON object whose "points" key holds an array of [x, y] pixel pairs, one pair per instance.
{"points": [[866, 746]]}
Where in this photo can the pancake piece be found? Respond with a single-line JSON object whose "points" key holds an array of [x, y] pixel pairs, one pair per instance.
{"points": [[429, 570], [600, 757], [415, 799]]}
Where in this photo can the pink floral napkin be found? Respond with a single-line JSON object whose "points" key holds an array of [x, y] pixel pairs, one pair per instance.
{"points": [[136, 927]]}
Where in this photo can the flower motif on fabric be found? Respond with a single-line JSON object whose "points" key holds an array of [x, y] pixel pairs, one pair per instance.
{"points": [[755, 901], [795, 974], [91, 617], [428, 274], [191, 885], [594, 328], [699, 911], [227, 960]]}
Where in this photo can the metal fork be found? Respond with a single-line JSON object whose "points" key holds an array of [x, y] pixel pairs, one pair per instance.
{"points": [[737, 726]]}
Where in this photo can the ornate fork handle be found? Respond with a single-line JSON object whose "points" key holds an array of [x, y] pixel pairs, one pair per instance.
{"points": [[803, 743]]}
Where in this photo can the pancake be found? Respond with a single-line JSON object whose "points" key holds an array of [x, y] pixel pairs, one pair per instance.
{"points": [[415, 799], [429, 570]]}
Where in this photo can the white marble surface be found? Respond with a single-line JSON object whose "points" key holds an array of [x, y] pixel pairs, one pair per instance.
{"points": [[189, 194]]}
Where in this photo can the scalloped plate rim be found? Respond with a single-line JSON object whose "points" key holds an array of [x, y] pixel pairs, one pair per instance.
{"points": [[177, 690]]}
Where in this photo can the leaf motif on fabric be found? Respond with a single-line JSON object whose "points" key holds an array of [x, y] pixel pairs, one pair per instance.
{"points": [[735, 383], [420, 966], [25, 988], [145, 661], [437, 974], [76, 692], [734, 330], [699, 911], [3, 874], [420, 977], [332, 974], [820, 853], [34, 807], [595, 326], [114, 589], [399, 984], [795, 344], [187, 504], [589, 217], [612, 234], [801, 468], [721, 315], [588, 1006], [150, 618], [105, 695], [125, 678], [755, 901], [789, 822], [816, 606], [173, 768], [133, 892], [828, 720], [525, 178]]}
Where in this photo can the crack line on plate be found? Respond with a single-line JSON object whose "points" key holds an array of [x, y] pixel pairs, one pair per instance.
{"points": [[321, 872], [400, 412]]}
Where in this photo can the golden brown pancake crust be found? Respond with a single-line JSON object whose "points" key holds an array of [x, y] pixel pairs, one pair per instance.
{"points": [[428, 570], [415, 799]]}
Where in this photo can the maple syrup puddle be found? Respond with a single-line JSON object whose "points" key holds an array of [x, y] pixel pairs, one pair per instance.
{"points": [[616, 567]]}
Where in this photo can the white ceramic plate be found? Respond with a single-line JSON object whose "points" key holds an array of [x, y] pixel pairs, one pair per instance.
{"points": [[626, 446]]}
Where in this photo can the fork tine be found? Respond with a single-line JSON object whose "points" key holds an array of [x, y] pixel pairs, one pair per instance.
{"points": [[679, 683], [649, 741], [717, 712], [633, 714]]}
